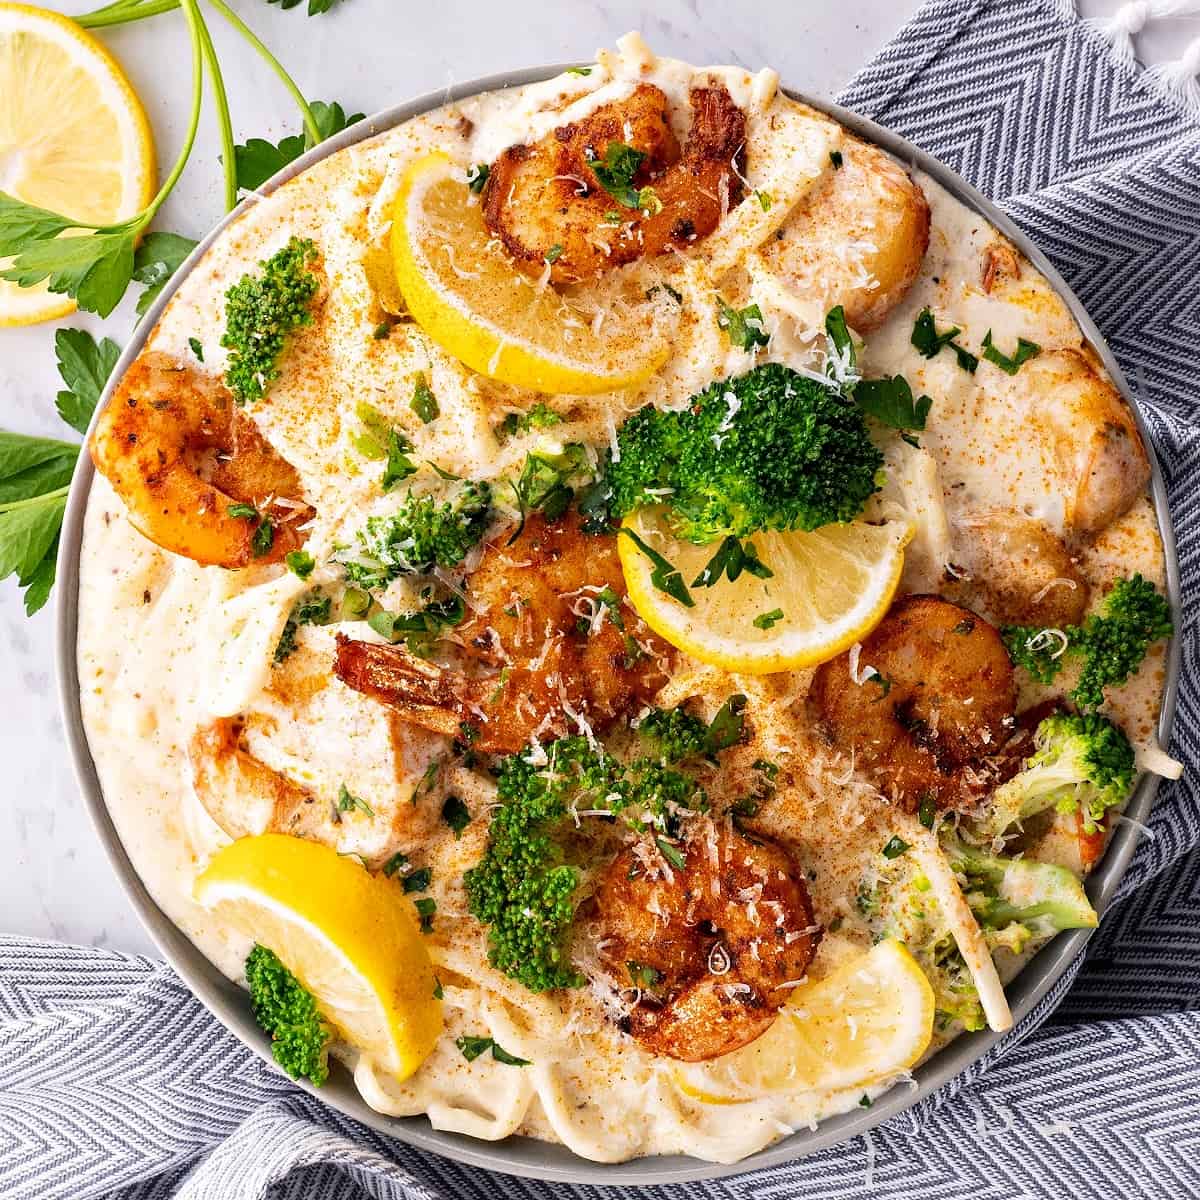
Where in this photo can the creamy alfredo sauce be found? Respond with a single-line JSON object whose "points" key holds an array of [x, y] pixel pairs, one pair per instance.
{"points": [[165, 645]]}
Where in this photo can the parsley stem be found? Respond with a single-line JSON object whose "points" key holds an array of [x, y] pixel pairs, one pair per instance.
{"points": [[122, 13], [221, 98], [13, 505], [311, 133], [195, 25]]}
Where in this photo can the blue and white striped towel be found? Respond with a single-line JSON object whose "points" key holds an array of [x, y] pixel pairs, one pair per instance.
{"points": [[1100, 162]]}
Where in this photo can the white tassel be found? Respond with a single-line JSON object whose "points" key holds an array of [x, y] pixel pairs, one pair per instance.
{"points": [[1130, 19], [1179, 78]]}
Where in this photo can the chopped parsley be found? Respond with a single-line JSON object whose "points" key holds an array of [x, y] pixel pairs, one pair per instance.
{"points": [[426, 907], [1010, 366], [472, 1047], [671, 853], [728, 726], [456, 814], [835, 157], [419, 631], [395, 863], [579, 70], [311, 610], [764, 200], [895, 847], [927, 812], [477, 177], [380, 441], [553, 254], [730, 560], [381, 331], [768, 619], [890, 401], [348, 802], [245, 511], [615, 173], [424, 402], [418, 880], [930, 343], [665, 577], [540, 416], [300, 563], [197, 348], [743, 326], [264, 538], [643, 975]]}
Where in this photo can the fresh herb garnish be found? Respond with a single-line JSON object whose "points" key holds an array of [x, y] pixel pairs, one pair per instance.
{"points": [[547, 483], [259, 159], [615, 171], [154, 262], [730, 560], [300, 563], [477, 177], [927, 811], [895, 847], [885, 684], [540, 416], [244, 512], [1010, 366], [424, 402], [835, 157], [426, 907], [456, 814], [890, 401], [85, 366], [768, 619], [743, 326], [643, 975], [553, 254], [472, 1047], [197, 348], [764, 200], [420, 631], [380, 440], [728, 726], [671, 853], [395, 863], [418, 880], [311, 610], [665, 577], [348, 802], [315, 7], [930, 343], [264, 538], [579, 70]]}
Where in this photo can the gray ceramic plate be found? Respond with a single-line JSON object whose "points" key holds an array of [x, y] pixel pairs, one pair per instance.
{"points": [[525, 1156]]}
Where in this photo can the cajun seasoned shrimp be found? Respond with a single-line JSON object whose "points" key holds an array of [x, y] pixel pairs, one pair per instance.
{"points": [[1015, 571], [711, 945], [546, 197], [1087, 427], [857, 239], [180, 453], [555, 639], [925, 704]]}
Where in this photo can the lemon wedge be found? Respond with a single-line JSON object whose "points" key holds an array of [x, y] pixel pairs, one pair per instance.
{"points": [[868, 1021], [463, 290], [350, 938], [829, 588], [73, 136]]}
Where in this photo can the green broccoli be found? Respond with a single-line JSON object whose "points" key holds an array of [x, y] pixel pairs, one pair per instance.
{"points": [[1016, 899], [674, 733], [1112, 642], [261, 312], [300, 1036], [1079, 762], [771, 449], [524, 888], [423, 533]]}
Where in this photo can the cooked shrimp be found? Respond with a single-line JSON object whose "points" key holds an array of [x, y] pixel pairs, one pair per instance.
{"points": [[1087, 427], [245, 796], [1015, 571], [857, 239], [717, 941], [181, 454], [934, 705], [551, 628], [546, 204]]}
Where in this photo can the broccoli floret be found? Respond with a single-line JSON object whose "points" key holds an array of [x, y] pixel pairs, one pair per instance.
{"points": [[523, 888], [1115, 642], [770, 449], [1079, 762], [1014, 899], [674, 733], [300, 1036], [423, 533], [261, 311], [1112, 642]]}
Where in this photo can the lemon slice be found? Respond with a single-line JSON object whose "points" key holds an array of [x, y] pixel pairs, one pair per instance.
{"points": [[869, 1021], [463, 290], [348, 936], [829, 589], [73, 136]]}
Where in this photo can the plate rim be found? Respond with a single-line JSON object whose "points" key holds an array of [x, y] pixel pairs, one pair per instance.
{"points": [[522, 1156]]}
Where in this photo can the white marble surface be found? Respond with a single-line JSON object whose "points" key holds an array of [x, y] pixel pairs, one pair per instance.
{"points": [[55, 880]]}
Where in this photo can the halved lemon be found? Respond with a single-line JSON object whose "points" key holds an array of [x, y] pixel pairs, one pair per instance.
{"points": [[73, 136], [462, 288], [829, 588], [869, 1021], [350, 938]]}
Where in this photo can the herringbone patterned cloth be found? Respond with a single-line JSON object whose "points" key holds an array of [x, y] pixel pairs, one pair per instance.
{"points": [[115, 1082]]}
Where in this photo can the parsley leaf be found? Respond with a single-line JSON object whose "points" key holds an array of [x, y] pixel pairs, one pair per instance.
{"points": [[665, 577], [731, 559], [472, 1047], [890, 401], [85, 366], [895, 847], [615, 171], [768, 619], [315, 7], [477, 177], [348, 802], [1010, 366], [744, 326], [300, 563], [727, 726], [456, 814], [426, 907], [929, 342], [418, 880], [259, 159], [424, 402], [154, 262]]}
